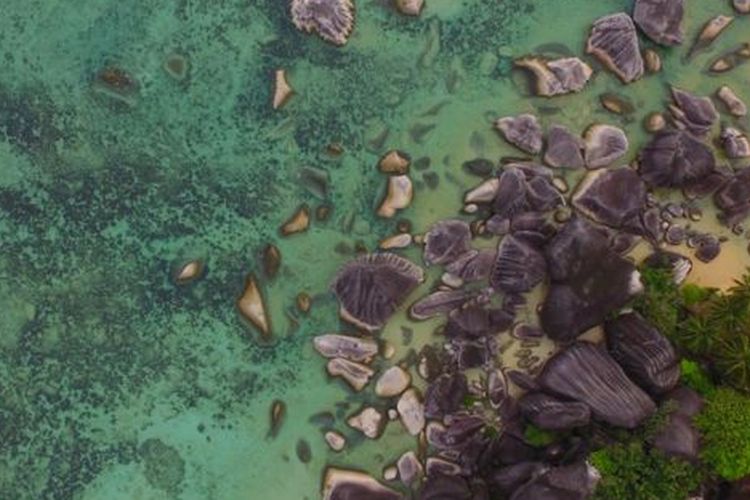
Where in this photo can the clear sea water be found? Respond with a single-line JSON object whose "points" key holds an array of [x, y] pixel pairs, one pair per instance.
{"points": [[116, 383]]}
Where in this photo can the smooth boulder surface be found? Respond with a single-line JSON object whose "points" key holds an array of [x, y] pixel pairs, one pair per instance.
{"points": [[589, 281], [557, 76], [660, 20], [519, 267], [567, 482], [674, 158], [733, 199], [372, 287], [605, 144], [735, 143], [445, 395], [614, 42], [333, 20], [646, 355], [678, 438], [585, 372], [611, 197], [550, 413], [438, 303], [523, 131], [564, 149], [510, 198], [343, 346]]}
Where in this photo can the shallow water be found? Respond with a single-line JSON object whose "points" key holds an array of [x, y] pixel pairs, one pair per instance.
{"points": [[117, 383]]}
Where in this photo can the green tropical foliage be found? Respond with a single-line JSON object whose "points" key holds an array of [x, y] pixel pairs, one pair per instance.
{"points": [[725, 426]]}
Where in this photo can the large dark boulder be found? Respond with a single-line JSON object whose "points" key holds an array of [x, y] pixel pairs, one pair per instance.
{"points": [[569, 251], [585, 372], [678, 438], [550, 413], [611, 197], [564, 150], [510, 199], [569, 482], [733, 199], [614, 42], [446, 241], [660, 20], [697, 114], [674, 158], [519, 266], [445, 395], [646, 355]]}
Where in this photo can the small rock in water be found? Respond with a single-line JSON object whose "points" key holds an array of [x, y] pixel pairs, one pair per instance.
{"points": [[368, 421], [675, 235], [660, 20], [564, 149], [735, 143], [558, 76], [355, 374], [304, 453], [409, 468], [282, 90], [392, 382], [721, 65], [605, 144], [410, 7], [343, 346], [411, 411], [611, 197], [278, 411], [446, 241], [675, 158], [390, 473], [523, 131], [711, 30], [342, 484], [333, 20], [189, 272], [708, 249], [297, 223], [654, 122], [652, 59], [742, 6], [614, 42], [734, 104], [335, 441], [484, 193], [253, 308], [616, 104], [395, 162], [481, 167], [271, 260], [402, 240], [399, 195]]}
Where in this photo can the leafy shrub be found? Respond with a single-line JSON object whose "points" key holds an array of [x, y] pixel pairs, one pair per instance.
{"points": [[694, 377], [725, 426], [631, 472]]}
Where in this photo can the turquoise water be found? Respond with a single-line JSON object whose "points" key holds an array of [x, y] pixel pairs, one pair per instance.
{"points": [[116, 382]]}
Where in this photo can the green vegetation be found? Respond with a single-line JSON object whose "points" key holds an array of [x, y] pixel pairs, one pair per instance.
{"points": [[703, 323], [630, 471], [725, 426], [537, 437], [694, 377]]}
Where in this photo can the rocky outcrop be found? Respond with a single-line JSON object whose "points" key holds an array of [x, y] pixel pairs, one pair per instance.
{"points": [[674, 158], [735, 143], [392, 382], [645, 354], [372, 287], [564, 149], [523, 131], [519, 266], [660, 20], [446, 241], [549, 413], [605, 144], [445, 395], [341, 484], [343, 346], [557, 76], [614, 42], [733, 199], [694, 113], [611, 197], [333, 20], [584, 372], [568, 482]]}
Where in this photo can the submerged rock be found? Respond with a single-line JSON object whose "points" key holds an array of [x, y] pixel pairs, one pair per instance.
{"points": [[564, 149], [614, 42], [298, 222], [660, 20], [558, 76], [278, 412], [734, 104], [735, 143], [711, 30], [282, 90], [585, 372], [372, 287], [341, 484], [523, 131], [549, 413], [644, 353], [519, 266], [355, 374], [611, 197], [674, 158], [410, 7], [694, 113], [343, 346], [446, 241], [332, 20], [605, 144]]}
